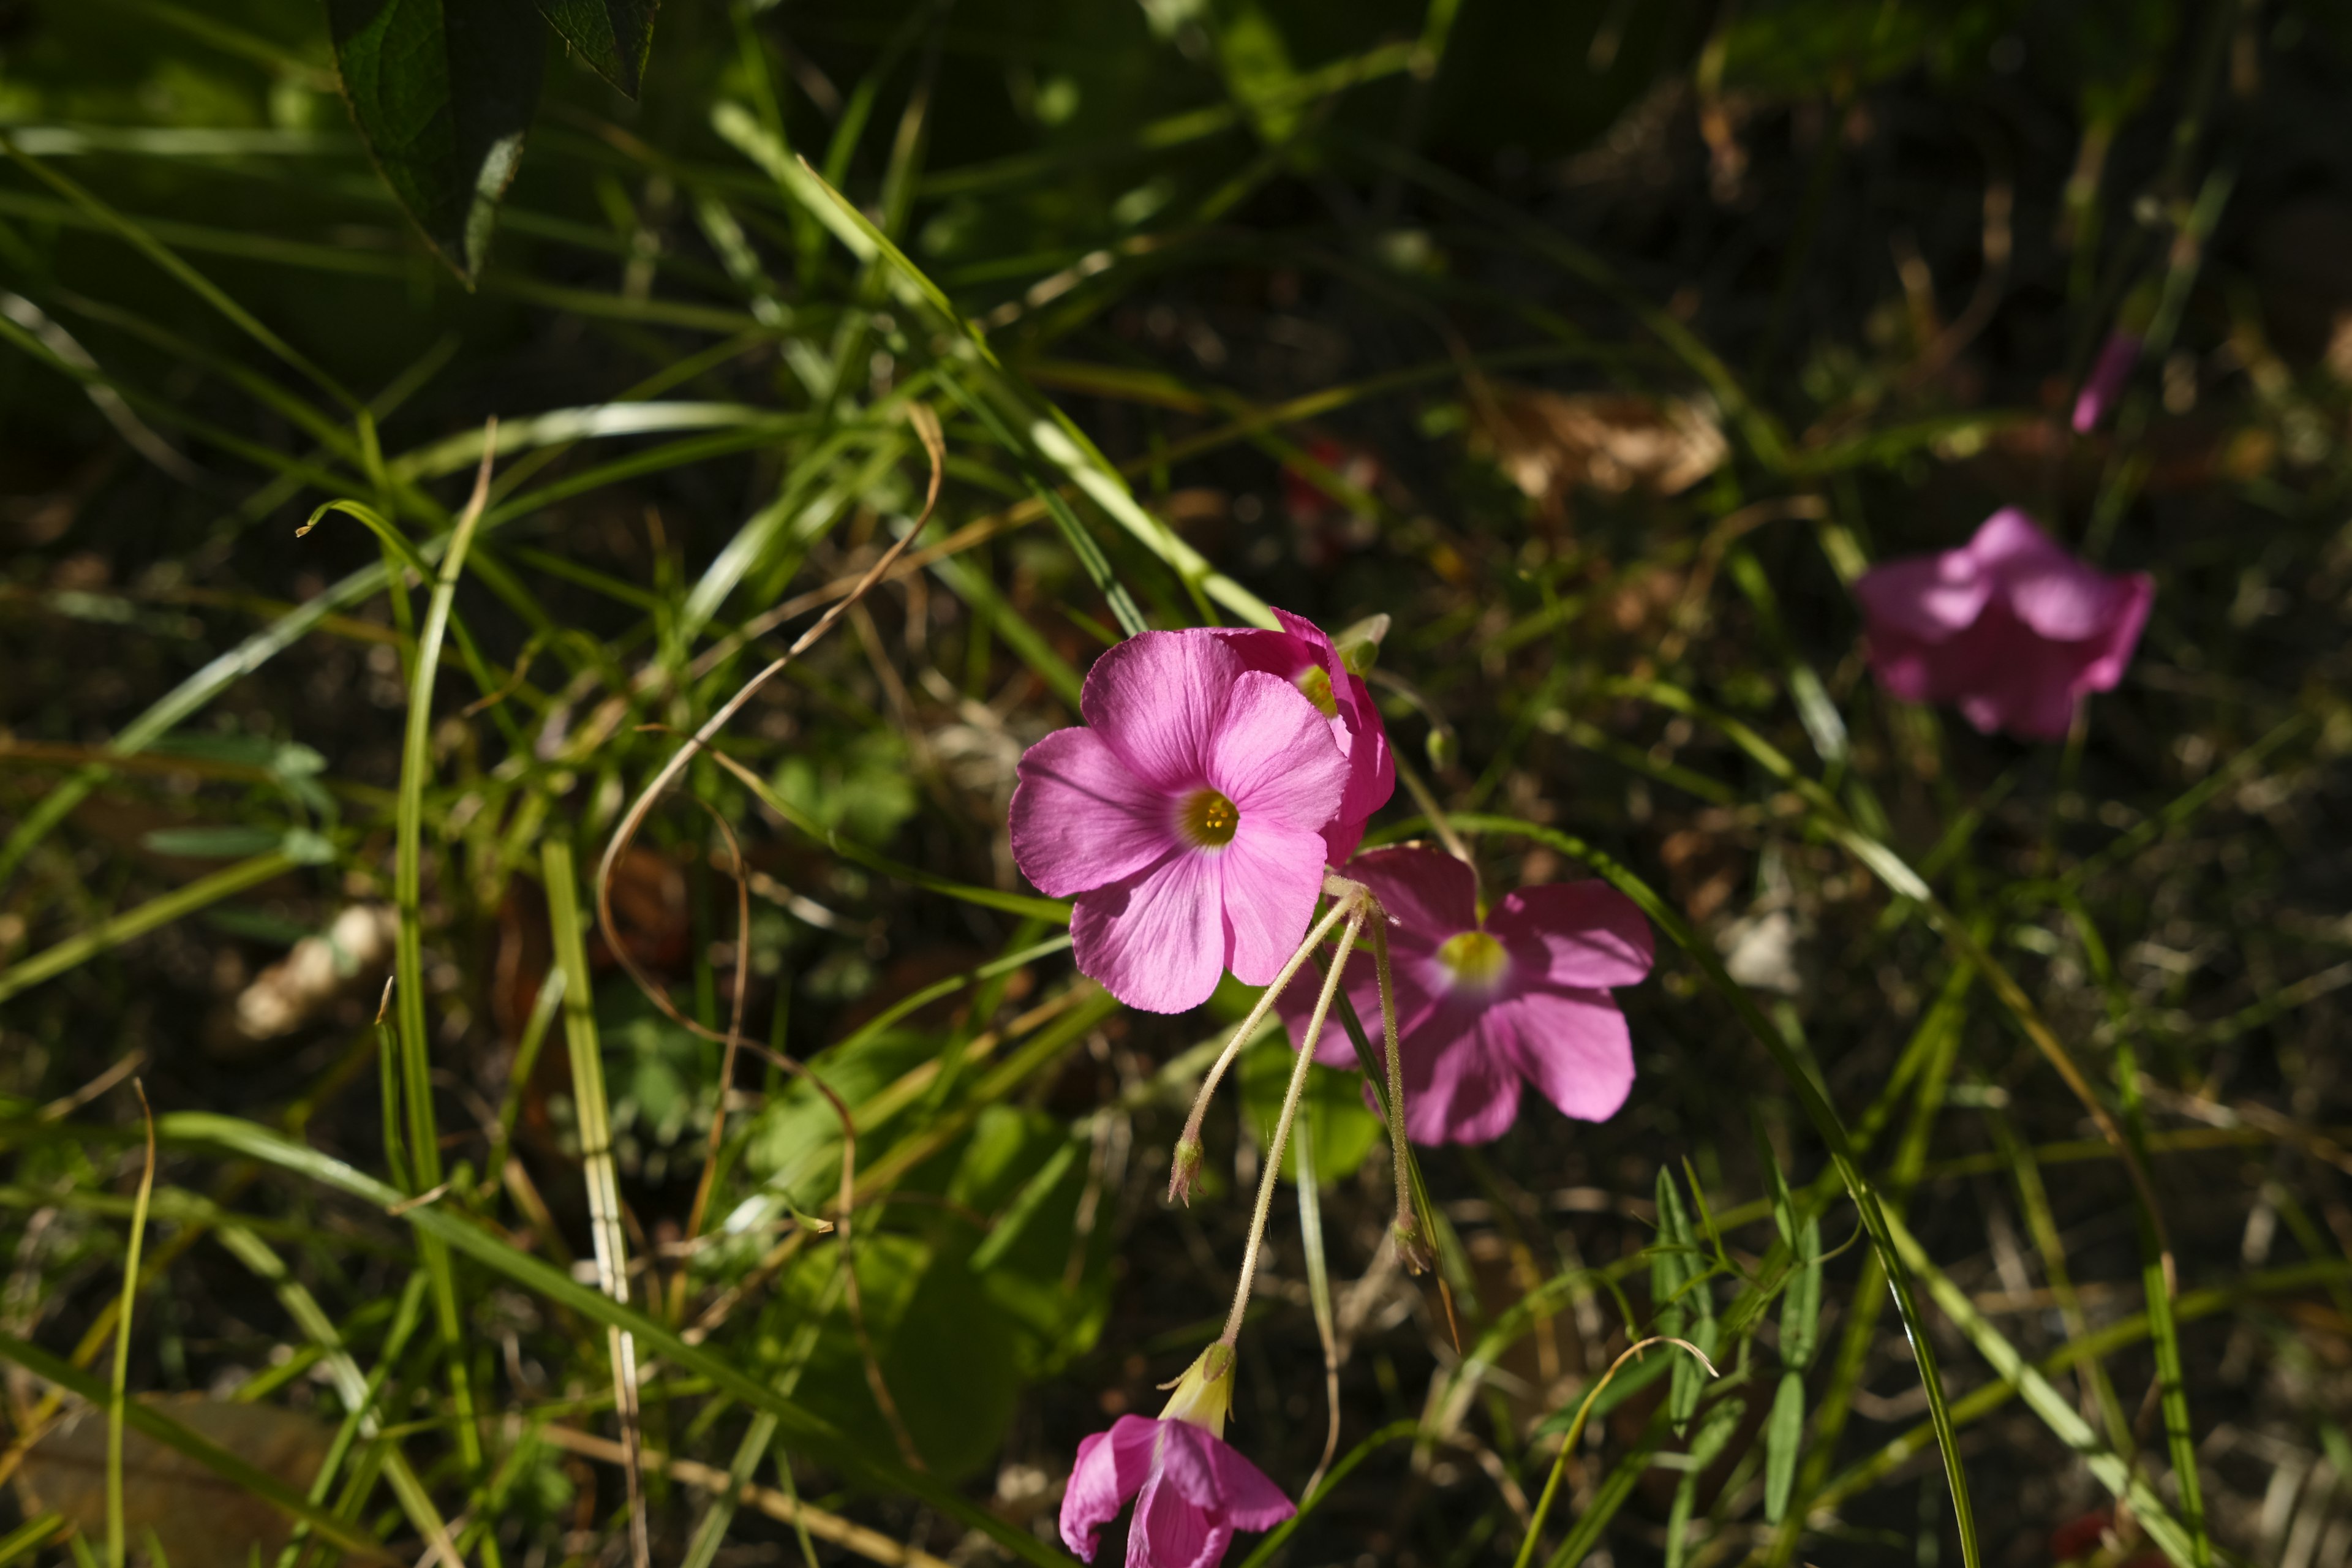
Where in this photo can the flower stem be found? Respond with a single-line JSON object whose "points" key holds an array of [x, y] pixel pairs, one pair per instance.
{"points": [[1354, 905], [1410, 1242], [1181, 1167]]}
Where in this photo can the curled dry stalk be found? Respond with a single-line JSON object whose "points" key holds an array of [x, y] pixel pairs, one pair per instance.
{"points": [[934, 442], [1575, 1429]]}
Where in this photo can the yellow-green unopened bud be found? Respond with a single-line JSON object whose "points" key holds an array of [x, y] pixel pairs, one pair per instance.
{"points": [[1359, 645], [1204, 1395], [1182, 1169]]}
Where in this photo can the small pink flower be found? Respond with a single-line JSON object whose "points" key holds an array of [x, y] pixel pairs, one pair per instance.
{"points": [[1187, 818], [1301, 654], [2113, 367], [1191, 1491], [1483, 1006], [2009, 626]]}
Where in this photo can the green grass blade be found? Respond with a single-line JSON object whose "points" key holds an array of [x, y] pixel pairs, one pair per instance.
{"points": [[153, 1423], [813, 1435], [113, 933], [1826, 1122]]}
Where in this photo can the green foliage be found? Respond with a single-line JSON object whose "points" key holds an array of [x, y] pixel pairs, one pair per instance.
{"points": [[863, 787], [443, 93]]}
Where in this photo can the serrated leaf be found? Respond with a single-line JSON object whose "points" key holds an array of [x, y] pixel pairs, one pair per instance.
{"points": [[1784, 1440], [613, 36], [442, 92]]}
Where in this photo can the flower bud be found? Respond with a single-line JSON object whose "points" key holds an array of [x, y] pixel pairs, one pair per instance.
{"points": [[1183, 1169], [1204, 1395], [1359, 645]]}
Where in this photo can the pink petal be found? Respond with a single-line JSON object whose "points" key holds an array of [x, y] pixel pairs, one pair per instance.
{"points": [[1081, 817], [1272, 874], [1334, 1048], [2059, 596], [1573, 1046], [1371, 769], [1340, 839], [1158, 697], [1430, 896], [1170, 1529], [2118, 355], [1248, 1498], [1362, 740], [1110, 1467], [1903, 664], [1925, 597], [1459, 1085], [2006, 677], [2115, 647], [1272, 756], [1575, 933], [1156, 941]]}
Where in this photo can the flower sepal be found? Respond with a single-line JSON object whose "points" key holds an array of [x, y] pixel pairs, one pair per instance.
{"points": [[1204, 1395]]}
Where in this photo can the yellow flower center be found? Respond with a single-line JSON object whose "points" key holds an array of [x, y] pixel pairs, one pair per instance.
{"points": [[1316, 681], [1208, 819], [1474, 958]]}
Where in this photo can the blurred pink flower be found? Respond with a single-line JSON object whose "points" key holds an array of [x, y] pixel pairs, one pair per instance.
{"points": [[2113, 367], [1301, 654], [1191, 1491], [2009, 626], [1483, 1006], [1186, 817]]}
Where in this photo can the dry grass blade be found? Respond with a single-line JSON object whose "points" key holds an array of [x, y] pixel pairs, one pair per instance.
{"points": [[870, 1545]]}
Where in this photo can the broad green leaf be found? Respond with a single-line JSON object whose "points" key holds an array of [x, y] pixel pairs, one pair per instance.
{"points": [[1346, 1129], [442, 92], [946, 1355], [613, 36], [1049, 1277], [1784, 1440]]}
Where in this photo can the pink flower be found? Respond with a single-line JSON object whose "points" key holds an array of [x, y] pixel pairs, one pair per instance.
{"points": [[2010, 626], [1186, 818], [2113, 367], [1301, 654], [1483, 1006], [1192, 1492]]}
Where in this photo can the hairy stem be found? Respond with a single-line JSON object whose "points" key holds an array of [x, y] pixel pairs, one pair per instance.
{"points": [[1354, 907], [1177, 1169]]}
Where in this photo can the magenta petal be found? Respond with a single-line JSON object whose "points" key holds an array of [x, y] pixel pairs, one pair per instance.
{"points": [[1903, 664], [2116, 646], [1573, 1046], [1925, 597], [1170, 1529], [1273, 756], [1081, 817], [2118, 355], [1110, 1467], [1371, 769], [1248, 1497], [1271, 876], [1158, 697], [1430, 896], [1155, 941], [1458, 1087], [1587, 933]]}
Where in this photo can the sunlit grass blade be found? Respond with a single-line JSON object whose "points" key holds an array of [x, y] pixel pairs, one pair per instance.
{"points": [[138, 922]]}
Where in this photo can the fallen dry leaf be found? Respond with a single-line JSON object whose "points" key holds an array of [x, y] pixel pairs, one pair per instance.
{"points": [[201, 1520], [1547, 443]]}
